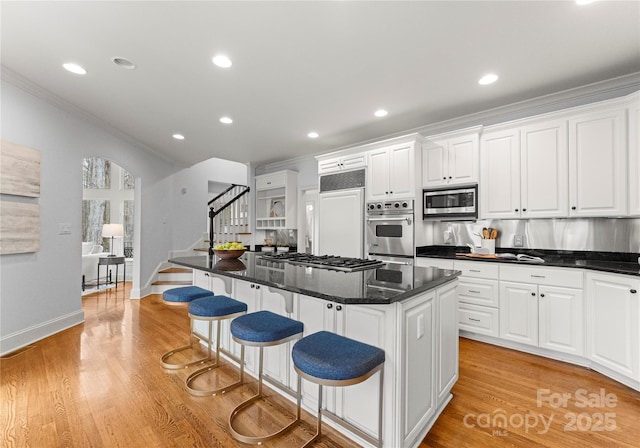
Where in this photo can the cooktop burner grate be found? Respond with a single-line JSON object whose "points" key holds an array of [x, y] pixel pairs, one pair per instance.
{"points": [[325, 261]]}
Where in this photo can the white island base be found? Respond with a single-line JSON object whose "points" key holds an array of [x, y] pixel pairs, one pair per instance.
{"points": [[419, 336]]}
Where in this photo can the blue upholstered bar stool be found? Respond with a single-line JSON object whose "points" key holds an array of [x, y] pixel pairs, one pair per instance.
{"points": [[182, 297], [264, 329], [328, 359], [215, 309]]}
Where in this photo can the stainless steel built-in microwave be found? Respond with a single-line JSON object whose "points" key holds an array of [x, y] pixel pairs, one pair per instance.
{"points": [[451, 203]]}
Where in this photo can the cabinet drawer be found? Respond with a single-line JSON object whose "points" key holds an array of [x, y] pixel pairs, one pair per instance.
{"points": [[565, 277], [477, 269], [479, 319], [266, 182], [426, 262], [479, 292]]}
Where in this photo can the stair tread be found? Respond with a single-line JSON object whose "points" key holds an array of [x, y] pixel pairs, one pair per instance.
{"points": [[202, 249], [176, 271], [173, 282]]}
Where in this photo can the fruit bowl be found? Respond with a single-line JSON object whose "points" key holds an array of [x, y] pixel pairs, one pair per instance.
{"points": [[230, 265], [229, 254]]}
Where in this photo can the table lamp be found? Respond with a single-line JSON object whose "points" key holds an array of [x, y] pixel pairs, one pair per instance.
{"points": [[112, 230]]}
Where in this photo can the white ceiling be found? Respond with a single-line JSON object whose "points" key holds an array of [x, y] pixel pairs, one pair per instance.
{"points": [[302, 66]]}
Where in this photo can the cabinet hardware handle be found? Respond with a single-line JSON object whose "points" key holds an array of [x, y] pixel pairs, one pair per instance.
{"points": [[339, 307], [475, 292], [474, 270], [252, 285], [475, 320], [537, 276], [633, 291], [524, 209], [329, 305], [449, 177], [257, 286], [574, 207], [206, 274], [444, 178], [533, 293], [268, 183], [541, 295], [516, 210]]}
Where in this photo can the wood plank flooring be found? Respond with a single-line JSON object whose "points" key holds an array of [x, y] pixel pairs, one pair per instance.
{"points": [[100, 384]]}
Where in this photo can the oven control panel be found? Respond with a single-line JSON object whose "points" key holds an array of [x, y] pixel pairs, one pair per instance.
{"points": [[401, 206]]}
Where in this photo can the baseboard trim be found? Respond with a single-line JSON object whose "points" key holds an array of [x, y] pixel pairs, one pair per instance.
{"points": [[140, 293], [22, 338]]}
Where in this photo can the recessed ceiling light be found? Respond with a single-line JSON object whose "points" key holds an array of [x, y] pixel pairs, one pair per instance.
{"points": [[222, 61], [489, 78], [178, 136], [226, 120], [123, 63], [74, 68], [381, 113], [313, 135]]}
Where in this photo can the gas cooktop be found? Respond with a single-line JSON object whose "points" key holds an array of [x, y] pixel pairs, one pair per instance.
{"points": [[334, 262]]}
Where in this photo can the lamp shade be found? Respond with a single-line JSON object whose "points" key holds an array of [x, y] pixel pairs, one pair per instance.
{"points": [[111, 230]]}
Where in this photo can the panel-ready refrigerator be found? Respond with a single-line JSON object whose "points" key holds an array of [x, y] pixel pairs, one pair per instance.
{"points": [[341, 214]]}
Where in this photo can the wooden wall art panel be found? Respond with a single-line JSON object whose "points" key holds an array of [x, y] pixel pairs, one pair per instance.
{"points": [[19, 227], [19, 170]]}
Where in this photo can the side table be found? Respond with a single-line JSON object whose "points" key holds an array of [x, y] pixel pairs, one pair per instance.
{"points": [[107, 261]]}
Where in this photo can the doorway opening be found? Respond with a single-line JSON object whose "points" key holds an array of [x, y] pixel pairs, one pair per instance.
{"points": [[107, 198]]}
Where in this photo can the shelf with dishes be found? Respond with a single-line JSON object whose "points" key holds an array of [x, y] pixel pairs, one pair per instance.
{"points": [[276, 200]]}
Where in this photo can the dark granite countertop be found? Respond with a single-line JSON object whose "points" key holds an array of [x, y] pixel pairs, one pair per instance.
{"points": [[614, 262], [385, 285]]}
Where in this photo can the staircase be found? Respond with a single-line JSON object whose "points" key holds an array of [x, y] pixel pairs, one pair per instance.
{"points": [[172, 278], [229, 215]]}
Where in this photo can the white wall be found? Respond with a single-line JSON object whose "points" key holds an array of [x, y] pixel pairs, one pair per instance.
{"points": [[40, 293], [191, 194]]}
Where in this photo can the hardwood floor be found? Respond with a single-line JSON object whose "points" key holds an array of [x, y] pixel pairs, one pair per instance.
{"points": [[100, 384]]}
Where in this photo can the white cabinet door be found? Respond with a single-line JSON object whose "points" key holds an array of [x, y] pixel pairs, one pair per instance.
{"points": [[561, 322], [358, 404], [519, 312], [462, 166], [597, 164], [329, 165], [428, 262], [446, 340], [378, 175], [500, 174], [434, 164], [544, 170], [613, 316], [634, 157], [276, 358], [402, 172], [418, 358], [346, 162]]}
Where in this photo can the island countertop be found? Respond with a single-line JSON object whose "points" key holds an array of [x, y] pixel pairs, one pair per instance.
{"points": [[387, 284]]}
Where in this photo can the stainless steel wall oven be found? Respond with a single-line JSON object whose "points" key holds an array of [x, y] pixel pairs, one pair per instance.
{"points": [[390, 229]]}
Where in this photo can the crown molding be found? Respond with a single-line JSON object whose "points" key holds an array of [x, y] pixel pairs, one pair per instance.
{"points": [[19, 81]]}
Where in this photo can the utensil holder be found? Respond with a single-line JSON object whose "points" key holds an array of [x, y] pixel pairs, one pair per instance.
{"points": [[490, 245]]}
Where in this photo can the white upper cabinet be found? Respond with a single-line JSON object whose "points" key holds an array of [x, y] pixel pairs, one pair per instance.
{"points": [[391, 172], [544, 170], [450, 161], [276, 200], [634, 155], [500, 174], [597, 163], [341, 163]]}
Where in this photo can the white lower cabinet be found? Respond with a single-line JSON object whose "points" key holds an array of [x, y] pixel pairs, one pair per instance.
{"points": [[478, 297], [541, 315], [613, 316], [357, 404], [446, 341]]}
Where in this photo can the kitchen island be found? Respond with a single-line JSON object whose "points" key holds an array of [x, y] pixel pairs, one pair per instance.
{"points": [[410, 312]]}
